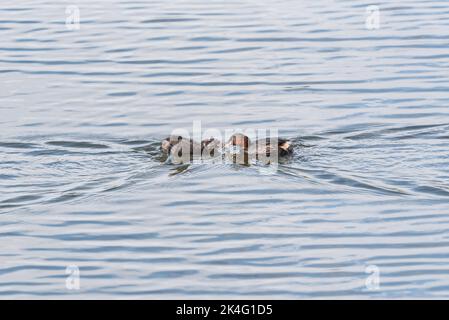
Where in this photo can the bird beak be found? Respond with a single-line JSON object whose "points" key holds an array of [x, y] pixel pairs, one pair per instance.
{"points": [[285, 146], [166, 146]]}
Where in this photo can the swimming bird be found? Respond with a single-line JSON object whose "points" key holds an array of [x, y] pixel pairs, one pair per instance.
{"points": [[263, 147], [182, 150], [238, 147]]}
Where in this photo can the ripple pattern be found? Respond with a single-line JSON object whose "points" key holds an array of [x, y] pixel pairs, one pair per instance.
{"points": [[82, 113]]}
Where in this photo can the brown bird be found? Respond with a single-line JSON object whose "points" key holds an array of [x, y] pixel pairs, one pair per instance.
{"points": [[186, 149], [267, 147], [239, 147]]}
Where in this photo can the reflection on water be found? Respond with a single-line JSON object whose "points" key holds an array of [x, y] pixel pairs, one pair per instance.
{"points": [[83, 181]]}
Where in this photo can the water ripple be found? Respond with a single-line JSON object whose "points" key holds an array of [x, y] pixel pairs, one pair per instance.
{"points": [[83, 182]]}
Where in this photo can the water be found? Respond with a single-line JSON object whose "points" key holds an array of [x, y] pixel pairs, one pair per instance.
{"points": [[82, 112]]}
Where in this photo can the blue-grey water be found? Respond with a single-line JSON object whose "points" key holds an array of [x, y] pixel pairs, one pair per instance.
{"points": [[82, 111]]}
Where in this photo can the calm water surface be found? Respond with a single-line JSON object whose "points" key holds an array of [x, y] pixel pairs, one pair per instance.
{"points": [[82, 111]]}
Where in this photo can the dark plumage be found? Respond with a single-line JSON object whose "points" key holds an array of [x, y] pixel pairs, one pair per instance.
{"points": [[238, 146], [267, 147], [175, 146]]}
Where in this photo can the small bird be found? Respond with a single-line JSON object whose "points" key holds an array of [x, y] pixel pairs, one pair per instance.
{"points": [[239, 147], [183, 149], [263, 147]]}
